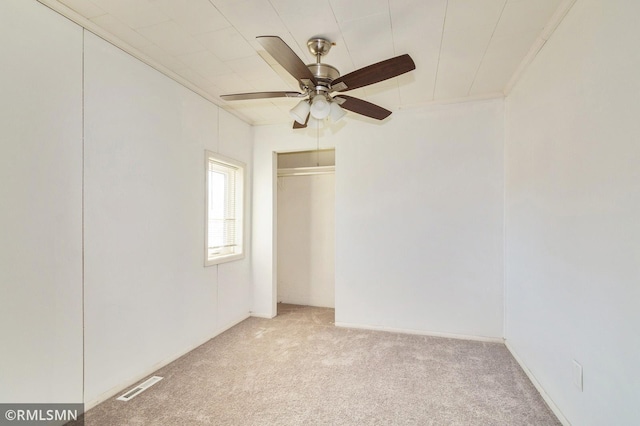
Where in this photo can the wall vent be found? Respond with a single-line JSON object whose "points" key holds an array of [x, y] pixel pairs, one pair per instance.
{"points": [[139, 389]]}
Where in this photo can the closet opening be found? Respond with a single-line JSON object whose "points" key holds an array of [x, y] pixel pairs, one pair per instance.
{"points": [[306, 228]]}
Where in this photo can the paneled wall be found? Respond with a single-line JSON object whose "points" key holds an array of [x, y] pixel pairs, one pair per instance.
{"points": [[419, 204], [148, 297], [40, 205], [572, 209], [102, 218]]}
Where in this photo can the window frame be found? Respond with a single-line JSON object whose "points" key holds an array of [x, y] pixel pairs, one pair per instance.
{"points": [[239, 217]]}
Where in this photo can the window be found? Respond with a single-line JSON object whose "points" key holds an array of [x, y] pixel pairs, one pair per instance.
{"points": [[224, 204]]}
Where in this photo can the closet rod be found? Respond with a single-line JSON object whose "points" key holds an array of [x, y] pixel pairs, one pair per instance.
{"points": [[306, 171]]}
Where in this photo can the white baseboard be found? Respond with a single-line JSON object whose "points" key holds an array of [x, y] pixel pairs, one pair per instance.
{"points": [[538, 386], [259, 315], [230, 324], [421, 332], [129, 383]]}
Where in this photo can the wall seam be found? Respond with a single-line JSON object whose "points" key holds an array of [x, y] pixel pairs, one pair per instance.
{"points": [[83, 225], [504, 219]]}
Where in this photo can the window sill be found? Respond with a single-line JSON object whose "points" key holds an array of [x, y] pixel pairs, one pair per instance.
{"points": [[223, 259]]}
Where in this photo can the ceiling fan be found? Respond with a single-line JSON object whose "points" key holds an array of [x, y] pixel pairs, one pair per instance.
{"points": [[318, 81]]}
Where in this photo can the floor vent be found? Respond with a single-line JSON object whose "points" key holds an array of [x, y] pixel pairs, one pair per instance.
{"points": [[139, 389]]}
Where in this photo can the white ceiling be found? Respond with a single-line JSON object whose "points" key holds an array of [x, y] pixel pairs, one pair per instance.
{"points": [[463, 49]]}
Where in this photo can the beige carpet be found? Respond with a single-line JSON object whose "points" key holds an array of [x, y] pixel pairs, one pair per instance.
{"points": [[298, 369]]}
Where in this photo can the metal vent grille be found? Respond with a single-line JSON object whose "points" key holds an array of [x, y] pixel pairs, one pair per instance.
{"points": [[139, 389]]}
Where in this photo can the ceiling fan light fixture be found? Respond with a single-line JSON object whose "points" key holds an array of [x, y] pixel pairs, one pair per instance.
{"points": [[320, 107], [336, 112], [300, 111]]}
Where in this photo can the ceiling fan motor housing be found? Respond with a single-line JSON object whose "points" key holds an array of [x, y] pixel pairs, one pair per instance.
{"points": [[323, 73]]}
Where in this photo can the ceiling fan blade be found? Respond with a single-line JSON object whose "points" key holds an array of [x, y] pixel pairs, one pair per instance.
{"points": [[297, 125], [364, 108], [286, 57], [260, 95], [374, 73]]}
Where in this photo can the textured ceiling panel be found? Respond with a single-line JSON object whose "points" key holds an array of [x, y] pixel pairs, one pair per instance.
{"points": [[462, 49]]}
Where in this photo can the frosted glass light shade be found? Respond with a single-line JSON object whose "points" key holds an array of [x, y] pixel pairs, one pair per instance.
{"points": [[314, 123], [337, 112], [300, 111], [320, 107]]}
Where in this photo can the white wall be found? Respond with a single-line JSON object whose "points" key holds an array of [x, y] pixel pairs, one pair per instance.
{"points": [[148, 297], [573, 203], [117, 218], [419, 202], [306, 240], [41, 205]]}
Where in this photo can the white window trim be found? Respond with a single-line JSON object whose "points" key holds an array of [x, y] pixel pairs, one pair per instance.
{"points": [[240, 200]]}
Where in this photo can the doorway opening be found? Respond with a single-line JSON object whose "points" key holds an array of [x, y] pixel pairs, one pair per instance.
{"points": [[306, 228]]}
